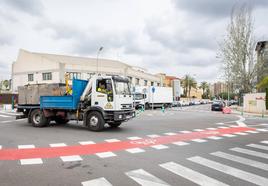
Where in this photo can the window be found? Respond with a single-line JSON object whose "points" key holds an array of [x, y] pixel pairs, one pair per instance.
{"points": [[137, 81], [47, 76], [75, 75], [158, 84], [30, 77], [145, 82], [152, 83]]}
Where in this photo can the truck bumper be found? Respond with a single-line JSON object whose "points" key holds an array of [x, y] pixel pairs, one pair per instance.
{"points": [[124, 115]]}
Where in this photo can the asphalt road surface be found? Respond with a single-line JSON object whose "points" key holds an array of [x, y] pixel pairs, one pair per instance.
{"points": [[182, 146]]}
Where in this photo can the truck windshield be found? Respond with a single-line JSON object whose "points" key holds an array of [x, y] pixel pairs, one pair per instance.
{"points": [[138, 96], [122, 88]]}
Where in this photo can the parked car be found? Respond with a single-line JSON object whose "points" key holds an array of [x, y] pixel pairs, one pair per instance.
{"points": [[217, 106]]}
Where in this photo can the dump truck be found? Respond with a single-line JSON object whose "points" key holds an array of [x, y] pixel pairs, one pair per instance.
{"points": [[100, 100]]}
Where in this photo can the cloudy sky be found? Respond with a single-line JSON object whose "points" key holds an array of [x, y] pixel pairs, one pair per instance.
{"points": [[176, 37]]}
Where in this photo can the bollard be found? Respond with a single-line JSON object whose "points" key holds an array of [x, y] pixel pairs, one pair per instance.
{"points": [[13, 102], [163, 109], [262, 114]]}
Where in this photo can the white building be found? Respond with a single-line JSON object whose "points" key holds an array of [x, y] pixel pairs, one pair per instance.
{"points": [[37, 68]]}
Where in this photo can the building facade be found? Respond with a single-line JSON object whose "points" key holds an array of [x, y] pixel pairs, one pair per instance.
{"points": [[38, 68]]}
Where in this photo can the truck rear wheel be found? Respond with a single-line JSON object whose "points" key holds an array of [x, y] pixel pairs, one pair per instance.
{"points": [[38, 119], [115, 124], [95, 121]]}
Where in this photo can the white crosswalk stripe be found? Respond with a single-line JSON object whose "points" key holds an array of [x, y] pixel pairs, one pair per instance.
{"points": [[191, 175], [229, 135], [87, 142], [97, 182], [170, 133], [159, 147], [134, 138], [57, 145], [105, 154], [144, 178], [199, 140], [241, 160], [258, 146], [265, 142], [112, 140], [135, 150], [71, 158], [250, 152], [180, 143], [249, 177], [252, 131], [32, 161], [241, 133], [153, 135], [214, 137]]}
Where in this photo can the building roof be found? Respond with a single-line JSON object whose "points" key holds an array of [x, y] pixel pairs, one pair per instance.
{"points": [[74, 60]]}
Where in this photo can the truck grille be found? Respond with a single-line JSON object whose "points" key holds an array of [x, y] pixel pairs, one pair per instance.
{"points": [[126, 106]]}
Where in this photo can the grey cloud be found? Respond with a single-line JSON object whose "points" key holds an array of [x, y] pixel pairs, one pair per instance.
{"points": [[34, 7], [214, 8]]}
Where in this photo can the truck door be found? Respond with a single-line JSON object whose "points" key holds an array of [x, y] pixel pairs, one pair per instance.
{"points": [[104, 97]]}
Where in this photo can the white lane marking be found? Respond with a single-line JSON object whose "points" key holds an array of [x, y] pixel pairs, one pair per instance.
{"points": [[223, 127], [240, 122], [32, 161], [241, 160], [71, 158], [191, 175], [0, 146], [199, 130], [5, 116], [262, 147], [199, 140], [211, 128], [26, 146], [262, 130], [265, 142], [9, 121], [263, 124], [252, 131], [159, 147], [180, 143], [219, 123], [86, 142], [97, 182], [112, 140], [57, 145], [241, 133], [252, 178], [105, 154], [170, 133], [144, 178], [229, 135], [234, 126], [250, 152], [153, 136], [10, 113], [135, 150], [185, 131], [214, 137], [134, 138]]}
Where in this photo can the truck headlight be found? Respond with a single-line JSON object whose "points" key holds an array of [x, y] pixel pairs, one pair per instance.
{"points": [[120, 116]]}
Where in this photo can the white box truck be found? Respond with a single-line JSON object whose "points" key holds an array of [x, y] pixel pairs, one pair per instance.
{"points": [[156, 97]]}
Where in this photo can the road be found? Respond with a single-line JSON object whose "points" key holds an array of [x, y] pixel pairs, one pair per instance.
{"points": [[183, 146]]}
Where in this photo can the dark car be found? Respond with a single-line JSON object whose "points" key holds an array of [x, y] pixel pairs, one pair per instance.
{"points": [[217, 106]]}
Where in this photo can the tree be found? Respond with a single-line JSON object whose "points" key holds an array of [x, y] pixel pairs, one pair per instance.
{"points": [[188, 83], [237, 50], [6, 84], [263, 83], [205, 89]]}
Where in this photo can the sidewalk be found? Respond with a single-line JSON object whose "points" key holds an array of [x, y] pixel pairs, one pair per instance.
{"points": [[238, 110]]}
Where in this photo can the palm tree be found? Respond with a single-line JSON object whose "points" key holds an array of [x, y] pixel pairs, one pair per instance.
{"points": [[188, 83], [204, 86]]}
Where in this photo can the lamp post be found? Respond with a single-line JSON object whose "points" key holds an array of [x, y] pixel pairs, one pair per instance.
{"points": [[100, 49]]}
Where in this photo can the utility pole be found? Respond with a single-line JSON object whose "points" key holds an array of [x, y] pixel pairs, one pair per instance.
{"points": [[100, 49]]}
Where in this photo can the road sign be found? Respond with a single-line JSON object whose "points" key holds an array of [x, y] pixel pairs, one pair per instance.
{"points": [[153, 89]]}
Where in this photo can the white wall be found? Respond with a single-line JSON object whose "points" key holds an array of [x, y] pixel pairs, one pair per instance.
{"points": [[254, 103]]}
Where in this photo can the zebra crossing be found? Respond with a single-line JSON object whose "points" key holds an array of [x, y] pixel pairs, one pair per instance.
{"points": [[250, 156]]}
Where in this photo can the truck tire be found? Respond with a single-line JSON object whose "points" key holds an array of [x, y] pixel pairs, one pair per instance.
{"points": [[115, 124], [60, 120], [38, 119], [95, 121]]}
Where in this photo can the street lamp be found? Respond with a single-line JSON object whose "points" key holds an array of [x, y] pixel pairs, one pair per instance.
{"points": [[100, 49]]}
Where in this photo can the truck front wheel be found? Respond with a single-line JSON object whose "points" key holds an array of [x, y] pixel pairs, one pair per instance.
{"points": [[95, 121], [38, 119]]}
